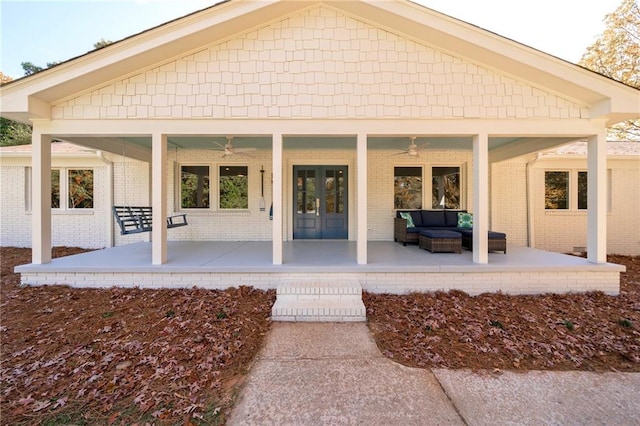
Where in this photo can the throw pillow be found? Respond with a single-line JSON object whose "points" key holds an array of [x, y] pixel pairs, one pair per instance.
{"points": [[465, 220], [407, 215]]}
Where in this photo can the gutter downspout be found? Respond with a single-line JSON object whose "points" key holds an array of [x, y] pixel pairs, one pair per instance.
{"points": [[531, 239], [101, 157]]}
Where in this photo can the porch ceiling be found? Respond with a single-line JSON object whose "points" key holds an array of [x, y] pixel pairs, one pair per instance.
{"points": [[500, 148]]}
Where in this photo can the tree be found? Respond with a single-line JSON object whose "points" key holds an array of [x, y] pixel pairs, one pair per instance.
{"points": [[4, 78], [14, 133], [102, 43], [616, 54], [30, 68]]}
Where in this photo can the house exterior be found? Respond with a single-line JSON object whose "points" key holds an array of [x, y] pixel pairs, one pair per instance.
{"points": [[330, 110]]}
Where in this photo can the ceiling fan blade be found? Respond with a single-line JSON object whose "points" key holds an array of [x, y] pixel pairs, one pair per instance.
{"points": [[216, 143], [399, 153], [239, 150]]}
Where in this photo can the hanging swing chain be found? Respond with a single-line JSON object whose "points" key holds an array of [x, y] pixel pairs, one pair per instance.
{"points": [[124, 173]]}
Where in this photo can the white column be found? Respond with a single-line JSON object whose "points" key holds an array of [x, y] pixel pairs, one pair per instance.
{"points": [[597, 198], [362, 185], [276, 236], [41, 198], [159, 198], [480, 198]]}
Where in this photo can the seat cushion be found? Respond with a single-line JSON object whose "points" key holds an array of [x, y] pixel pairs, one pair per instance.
{"points": [[433, 233], [433, 218], [497, 235]]}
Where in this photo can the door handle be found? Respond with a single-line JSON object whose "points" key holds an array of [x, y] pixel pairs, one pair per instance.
{"points": [[317, 206]]}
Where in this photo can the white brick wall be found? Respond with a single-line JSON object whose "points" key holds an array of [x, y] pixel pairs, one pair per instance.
{"points": [[531, 282], [509, 200], [562, 230], [82, 227], [318, 64]]}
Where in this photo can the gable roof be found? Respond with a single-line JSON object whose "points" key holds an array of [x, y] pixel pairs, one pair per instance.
{"points": [[32, 97]]}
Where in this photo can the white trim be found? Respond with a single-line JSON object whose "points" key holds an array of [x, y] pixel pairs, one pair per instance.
{"points": [[571, 128], [597, 206], [41, 235], [276, 147], [362, 153], [480, 198], [159, 178]]}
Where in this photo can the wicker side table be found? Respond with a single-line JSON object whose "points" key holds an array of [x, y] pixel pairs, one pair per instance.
{"points": [[440, 241]]}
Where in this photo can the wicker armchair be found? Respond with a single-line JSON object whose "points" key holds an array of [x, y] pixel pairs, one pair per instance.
{"points": [[400, 233]]}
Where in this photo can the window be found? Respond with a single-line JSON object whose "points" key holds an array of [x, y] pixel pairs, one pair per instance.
{"points": [[55, 188], [445, 187], [556, 190], [567, 190], [582, 190], [234, 187], [78, 190], [407, 188], [194, 187]]}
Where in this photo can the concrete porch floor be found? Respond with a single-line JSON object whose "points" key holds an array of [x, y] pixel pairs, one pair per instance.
{"points": [[391, 268]]}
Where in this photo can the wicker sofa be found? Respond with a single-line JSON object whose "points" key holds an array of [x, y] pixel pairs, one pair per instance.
{"points": [[443, 220], [446, 220]]}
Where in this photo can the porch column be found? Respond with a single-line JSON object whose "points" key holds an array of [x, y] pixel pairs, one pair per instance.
{"points": [[41, 197], [276, 236], [362, 187], [480, 198], [159, 198], [597, 198]]}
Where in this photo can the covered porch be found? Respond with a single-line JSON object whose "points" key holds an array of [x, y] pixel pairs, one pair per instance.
{"points": [[391, 268]]}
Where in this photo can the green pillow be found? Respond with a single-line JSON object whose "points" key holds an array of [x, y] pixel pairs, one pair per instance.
{"points": [[406, 215], [465, 220]]}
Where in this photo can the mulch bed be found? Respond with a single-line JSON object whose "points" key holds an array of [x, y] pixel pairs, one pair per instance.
{"points": [[591, 332], [124, 356], [127, 356]]}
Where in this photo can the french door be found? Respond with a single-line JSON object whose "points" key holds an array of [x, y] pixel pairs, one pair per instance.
{"points": [[320, 202]]}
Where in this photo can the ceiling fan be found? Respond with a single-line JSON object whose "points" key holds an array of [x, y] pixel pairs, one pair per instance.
{"points": [[229, 150], [413, 150]]}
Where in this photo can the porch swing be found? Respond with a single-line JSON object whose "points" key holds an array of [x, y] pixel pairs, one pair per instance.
{"points": [[137, 219]]}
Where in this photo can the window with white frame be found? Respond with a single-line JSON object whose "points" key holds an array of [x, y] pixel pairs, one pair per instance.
{"points": [[445, 187], [407, 187], [70, 184], [233, 187], [567, 190], [195, 186], [556, 190]]}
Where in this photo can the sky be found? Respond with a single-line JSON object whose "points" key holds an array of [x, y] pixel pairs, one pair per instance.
{"points": [[57, 30]]}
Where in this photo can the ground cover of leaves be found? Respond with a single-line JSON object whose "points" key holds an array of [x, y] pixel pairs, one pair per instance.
{"points": [[591, 332], [127, 356], [123, 356]]}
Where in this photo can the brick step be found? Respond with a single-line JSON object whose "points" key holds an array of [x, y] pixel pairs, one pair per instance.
{"points": [[319, 311], [319, 301], [346, 287]]}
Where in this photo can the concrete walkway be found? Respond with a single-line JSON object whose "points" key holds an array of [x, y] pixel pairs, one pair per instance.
{"points": [[333, 374]]}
